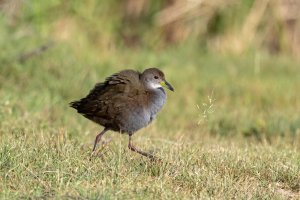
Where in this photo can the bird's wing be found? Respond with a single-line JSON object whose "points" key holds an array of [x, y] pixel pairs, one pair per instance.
{"points": [[126, 82], [106, 100]]}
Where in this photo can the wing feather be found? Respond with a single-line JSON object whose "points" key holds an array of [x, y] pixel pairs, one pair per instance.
{"points": [[106, 100]]}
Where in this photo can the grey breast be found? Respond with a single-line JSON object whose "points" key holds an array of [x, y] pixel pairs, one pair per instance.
{"points": [[142, 115], [157, 100]]}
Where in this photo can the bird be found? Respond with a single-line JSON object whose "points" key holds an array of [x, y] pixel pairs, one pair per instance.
{"points": [[125, 102]]}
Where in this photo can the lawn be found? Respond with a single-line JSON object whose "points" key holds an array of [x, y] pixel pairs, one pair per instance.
{"points": [[231, 129]]}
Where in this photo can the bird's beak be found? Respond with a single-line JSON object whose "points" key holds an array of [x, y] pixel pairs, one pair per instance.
{"points": [[167, 85]]}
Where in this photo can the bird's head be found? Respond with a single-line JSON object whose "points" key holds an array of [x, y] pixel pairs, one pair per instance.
{"points": [[153, 78]]}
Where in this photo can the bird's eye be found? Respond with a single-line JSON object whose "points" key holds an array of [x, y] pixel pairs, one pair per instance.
{"points": [[156, 77]]}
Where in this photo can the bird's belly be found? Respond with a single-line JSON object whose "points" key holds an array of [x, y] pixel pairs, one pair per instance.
{"points": [[135, 120]]}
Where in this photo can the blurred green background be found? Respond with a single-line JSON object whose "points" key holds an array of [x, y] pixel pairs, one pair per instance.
{"points": [[245, 54], [234, 66]]}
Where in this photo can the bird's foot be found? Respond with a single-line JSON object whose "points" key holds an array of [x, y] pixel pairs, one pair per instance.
{"points": [[98, 152]]}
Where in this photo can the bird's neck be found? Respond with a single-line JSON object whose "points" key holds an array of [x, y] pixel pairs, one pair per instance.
{"points": [[157, 98]]}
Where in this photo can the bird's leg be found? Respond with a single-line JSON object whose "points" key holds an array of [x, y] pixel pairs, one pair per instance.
{"points": [[98, 138], [133, 148]]}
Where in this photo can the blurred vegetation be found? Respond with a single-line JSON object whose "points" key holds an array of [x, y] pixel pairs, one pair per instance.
{"points": [[221, 26], [241, 54]]}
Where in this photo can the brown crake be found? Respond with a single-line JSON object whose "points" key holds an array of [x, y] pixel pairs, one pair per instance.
{"points": [[125, 102]]}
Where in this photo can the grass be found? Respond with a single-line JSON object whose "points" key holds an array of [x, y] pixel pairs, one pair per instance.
{"points": [[248, 148], [203, 169]]}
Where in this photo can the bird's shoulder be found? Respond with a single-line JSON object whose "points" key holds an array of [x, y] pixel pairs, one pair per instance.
{"points": [[128, 78], [124, 83]]}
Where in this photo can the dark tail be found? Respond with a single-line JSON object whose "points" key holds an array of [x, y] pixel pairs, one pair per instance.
{"points": [[75, 104]]}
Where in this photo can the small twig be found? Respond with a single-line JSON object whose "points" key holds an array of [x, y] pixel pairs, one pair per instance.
{"points": [[37, 51], [208, 108]]}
